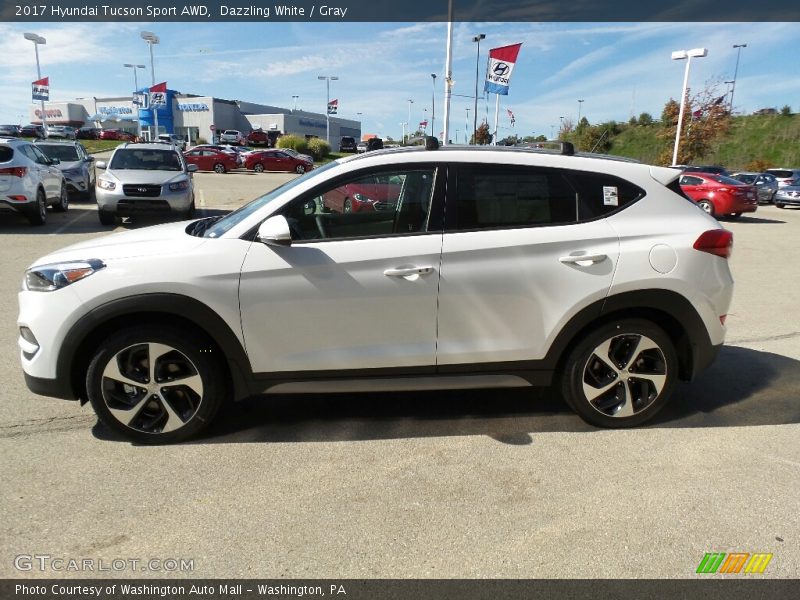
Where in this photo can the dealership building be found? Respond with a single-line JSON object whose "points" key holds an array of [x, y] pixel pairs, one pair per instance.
{"points": [[191, 116]]}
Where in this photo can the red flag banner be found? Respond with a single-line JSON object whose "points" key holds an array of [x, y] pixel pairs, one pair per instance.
{"points": [[333, 107], [41, 89], [511, 116], [499, 69]]}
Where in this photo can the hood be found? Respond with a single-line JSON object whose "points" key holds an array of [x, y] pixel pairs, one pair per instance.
{"points": [[66, 166], [145, 176], [167, 239]]}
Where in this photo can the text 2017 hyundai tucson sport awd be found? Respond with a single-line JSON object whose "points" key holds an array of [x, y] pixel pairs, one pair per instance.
{"points": [[492, 267]]}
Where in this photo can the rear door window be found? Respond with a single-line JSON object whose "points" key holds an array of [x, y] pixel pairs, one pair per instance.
{"points": [[600, 194], [6, 153]]}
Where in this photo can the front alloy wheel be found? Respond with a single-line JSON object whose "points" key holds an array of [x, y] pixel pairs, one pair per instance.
{"points": [[219, 168], [63, 200], [621, 374], [155, 385]]}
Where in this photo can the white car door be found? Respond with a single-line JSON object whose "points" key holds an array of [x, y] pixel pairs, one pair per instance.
{"points": [[50, 174], [518, 261], [354, 291]]}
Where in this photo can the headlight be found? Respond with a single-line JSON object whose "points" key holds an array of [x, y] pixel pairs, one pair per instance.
{"points": [[362, 198], [178, 186], [72, 172], [105, 184], [47, 278]]}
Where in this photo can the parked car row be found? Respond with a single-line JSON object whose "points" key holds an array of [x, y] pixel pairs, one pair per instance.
{"points": [[777, 185]]}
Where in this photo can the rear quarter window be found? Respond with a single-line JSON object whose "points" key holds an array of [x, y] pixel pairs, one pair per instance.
{"points": [[599, 194], [6, 153]]}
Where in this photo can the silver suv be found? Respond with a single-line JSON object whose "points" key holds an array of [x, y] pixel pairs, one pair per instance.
{"points": [[232, 136], [785, 176], [144, 178], [75, 163], [29, 181]]}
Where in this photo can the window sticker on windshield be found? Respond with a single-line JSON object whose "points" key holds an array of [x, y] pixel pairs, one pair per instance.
{"points": [[610, 195]]}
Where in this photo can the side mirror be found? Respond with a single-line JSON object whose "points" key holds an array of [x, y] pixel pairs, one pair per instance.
{"points": [[55, 161], [275, 232], [192, 168], [101, 164], [90, 159]]}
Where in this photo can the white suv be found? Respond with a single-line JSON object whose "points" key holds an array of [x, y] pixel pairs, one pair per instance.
{"points": [[29, 181], [462, 267]]}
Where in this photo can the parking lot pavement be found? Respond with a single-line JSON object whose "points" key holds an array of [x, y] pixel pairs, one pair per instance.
{"points": [[455, 484]]}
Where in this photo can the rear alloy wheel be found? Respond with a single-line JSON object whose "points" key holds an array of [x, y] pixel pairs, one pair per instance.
{"points": [[300, 169], [621, 374], [706, 206], [155, 385], [63, 200], [38, 216], [219, 168], [258, 168]]}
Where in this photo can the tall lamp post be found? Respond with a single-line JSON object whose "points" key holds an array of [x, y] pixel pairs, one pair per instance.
{"points": [[328, 79], [561, 127], [37, 39], [151, 38], [477, 38], [410, 102], [433, 105], [580, 102], [736, 71], [136, 91], [295, 102], [466, 127], [686, 55]]}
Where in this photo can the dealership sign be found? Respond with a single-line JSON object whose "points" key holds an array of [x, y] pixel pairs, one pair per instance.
{"points": [[115, 110], [50, 112], [195, 107], [41, 89], [499, 69]]}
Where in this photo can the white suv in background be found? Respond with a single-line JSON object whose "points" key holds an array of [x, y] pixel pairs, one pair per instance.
{"points": [[30, 181], [465, 267], [232, 136]]}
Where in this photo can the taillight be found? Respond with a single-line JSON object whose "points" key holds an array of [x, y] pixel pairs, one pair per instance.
{"points": [[715, 241], [14, 171], [789, 182]]}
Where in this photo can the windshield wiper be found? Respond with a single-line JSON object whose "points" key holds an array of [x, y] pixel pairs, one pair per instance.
{"points": [[198, 228]]}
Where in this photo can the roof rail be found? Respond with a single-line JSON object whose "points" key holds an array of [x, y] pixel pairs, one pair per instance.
{"points": [[562, 147]]}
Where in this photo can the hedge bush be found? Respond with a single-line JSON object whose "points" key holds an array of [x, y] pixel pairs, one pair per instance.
{"points": [[318, 148], [293, 141]]}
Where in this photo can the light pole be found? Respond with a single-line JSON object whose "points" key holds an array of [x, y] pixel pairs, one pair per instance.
{"points": [[580, 102], [135, 92], [466, 128], [433, 105], [686, 55], [328, 79], [403, 125], [151, 38], [477, 38], [410, 102], [37, 39], [736, 71], [561, 128], [295, 103]]}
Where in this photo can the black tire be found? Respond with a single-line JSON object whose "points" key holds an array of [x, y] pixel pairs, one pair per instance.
{"points": [[706, 207], [63, 201], [258, 168], [299, 169], [780, 204], [622, 399], [107, 218], [347, 208], [184, 409], [38, 214], [219, 168], [734, 215], [189, 212]]}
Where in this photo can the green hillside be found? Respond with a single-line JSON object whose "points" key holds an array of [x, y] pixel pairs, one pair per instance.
{"points": [[772, 139]]}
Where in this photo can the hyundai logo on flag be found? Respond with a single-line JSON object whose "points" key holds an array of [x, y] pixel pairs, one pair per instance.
{"points": [[501, 69]]}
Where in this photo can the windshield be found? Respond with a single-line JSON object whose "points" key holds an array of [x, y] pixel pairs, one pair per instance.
{"points": [[240, 214], [146, 160], [726, 180], [746, 178], [62, 153]]}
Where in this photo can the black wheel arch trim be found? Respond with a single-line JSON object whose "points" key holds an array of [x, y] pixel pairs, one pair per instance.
{"points": [[183, 309]]}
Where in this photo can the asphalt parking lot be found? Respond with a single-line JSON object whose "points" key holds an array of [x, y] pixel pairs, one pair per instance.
{"points": [[453, 485]]}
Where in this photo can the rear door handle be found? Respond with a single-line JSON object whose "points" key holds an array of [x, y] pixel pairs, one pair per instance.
{"points": [[583, 260], [408, 271]]}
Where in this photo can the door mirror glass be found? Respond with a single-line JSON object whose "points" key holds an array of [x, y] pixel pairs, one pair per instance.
{"points": [[275, 232], [191, 168], [100, 164]]}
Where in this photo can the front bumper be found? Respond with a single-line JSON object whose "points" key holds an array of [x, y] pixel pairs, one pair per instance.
{"points": [[115, 201], [782, 198]]}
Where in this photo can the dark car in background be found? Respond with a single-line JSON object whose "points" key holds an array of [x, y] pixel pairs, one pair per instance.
{"points": [[88, 133], [75, 164], [31, 131], [375, 143], [347, 144], [716, 170], [719, 195], [9, 131], [766, 184]]}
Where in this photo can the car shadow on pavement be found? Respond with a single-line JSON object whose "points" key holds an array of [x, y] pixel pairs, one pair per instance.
{"points": [[759, 220], [743, 388]]}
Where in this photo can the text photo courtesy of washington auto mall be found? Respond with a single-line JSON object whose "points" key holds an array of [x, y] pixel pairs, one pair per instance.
{"points": [[420, 300]]}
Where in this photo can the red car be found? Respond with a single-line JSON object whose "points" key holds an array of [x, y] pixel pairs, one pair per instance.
{"points": [[719, 195], [258, 137], [276, 160], [117, 134], [209, 159], [368, 194]]}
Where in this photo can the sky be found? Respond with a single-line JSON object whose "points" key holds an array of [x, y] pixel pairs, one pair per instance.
{"points": [[618, 69]]}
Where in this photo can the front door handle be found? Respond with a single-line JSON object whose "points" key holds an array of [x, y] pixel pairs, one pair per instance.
{"points": [[582, 260], [408, 272]]}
